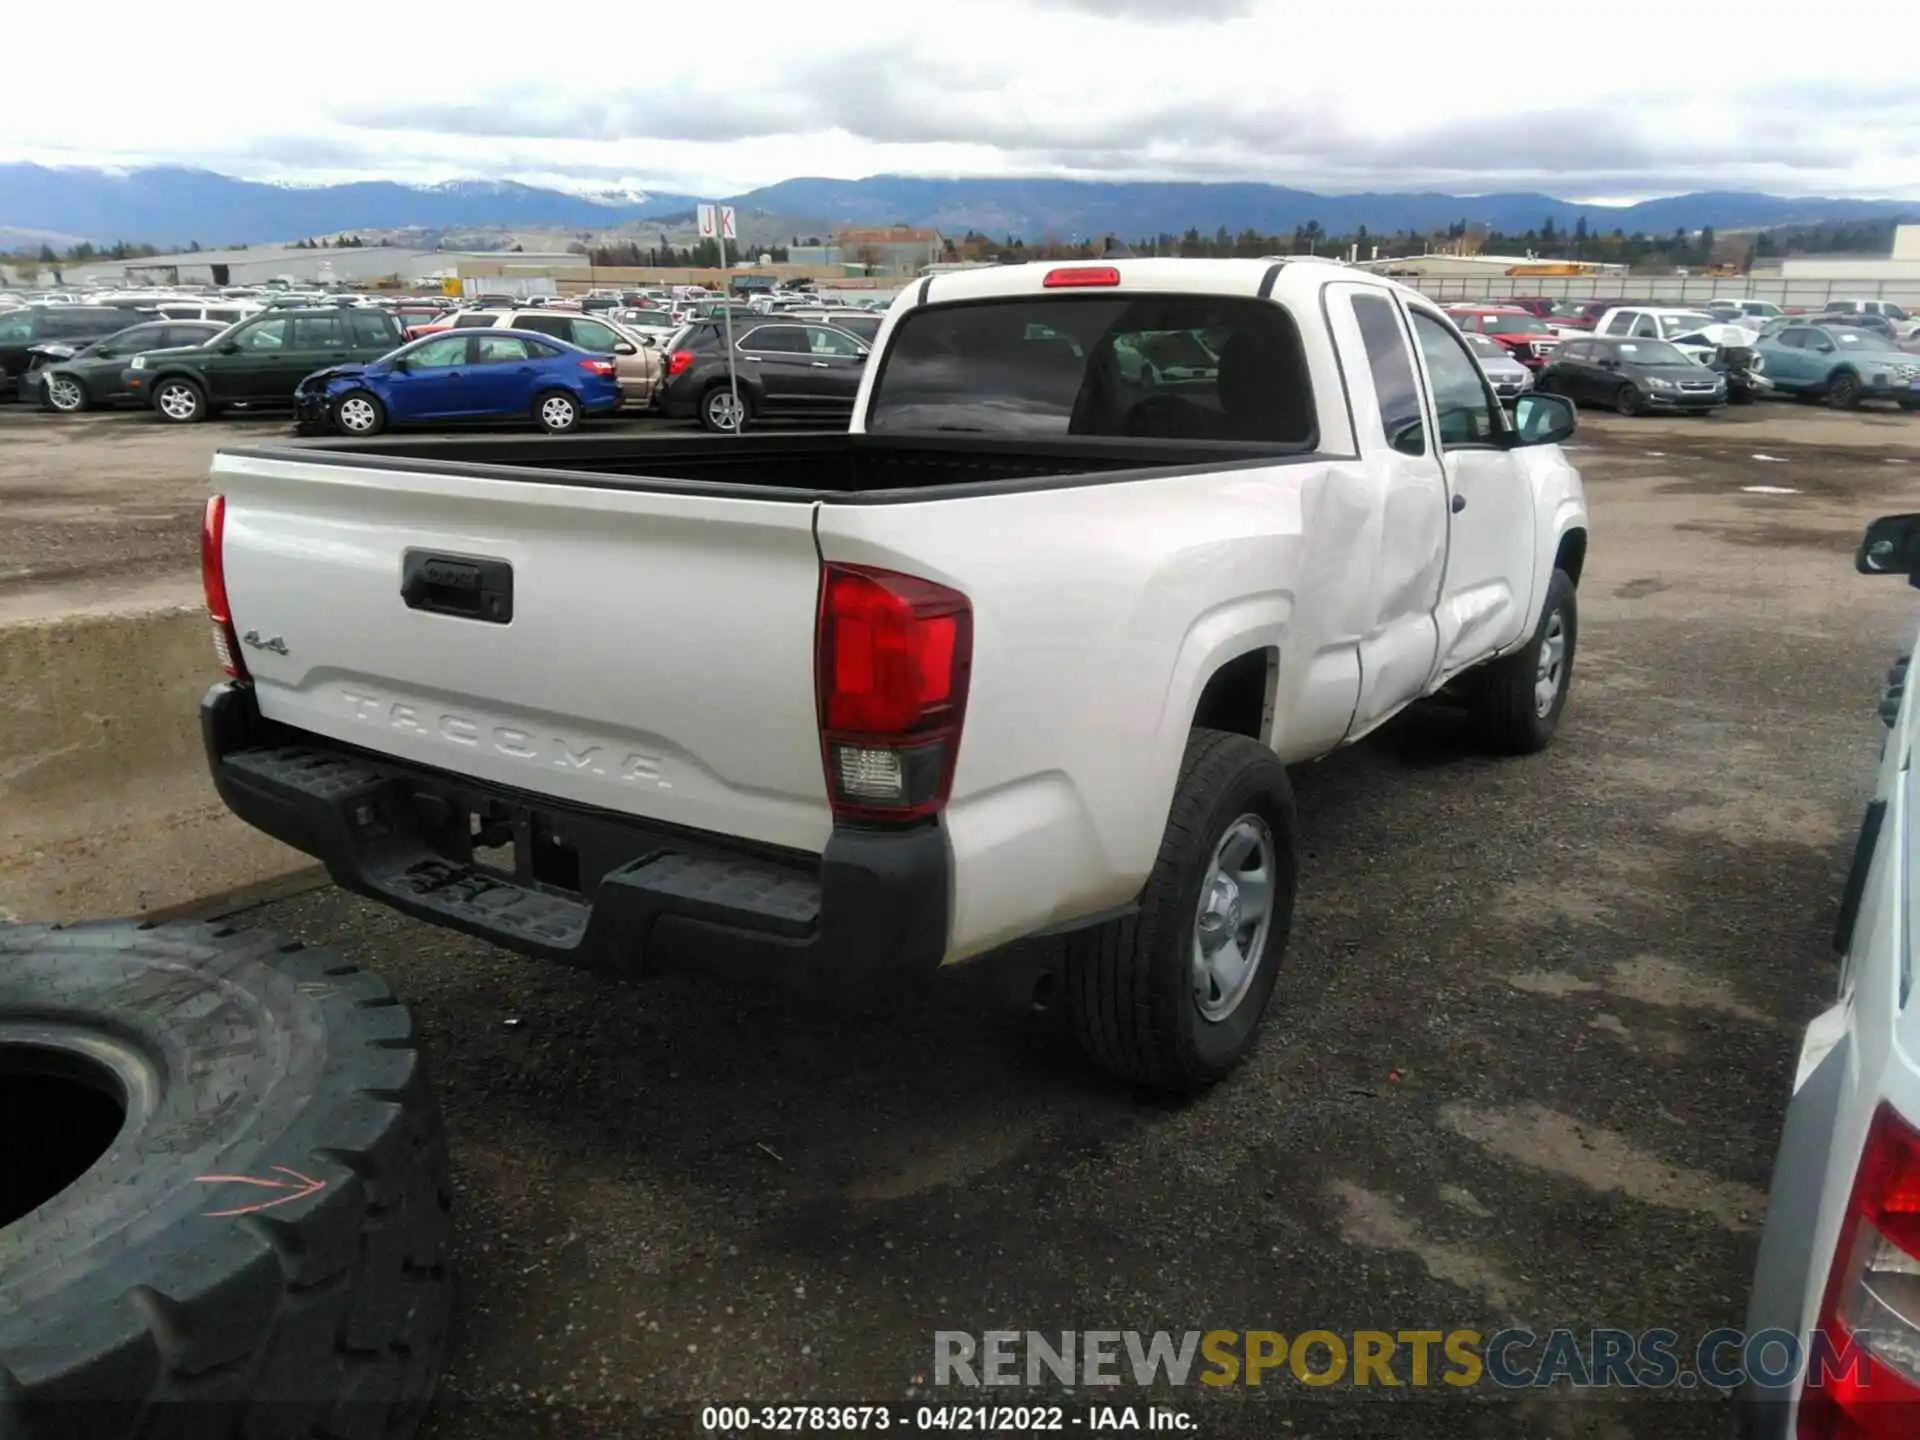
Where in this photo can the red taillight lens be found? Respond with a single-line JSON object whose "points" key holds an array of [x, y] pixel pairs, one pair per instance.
{"points": [[597, 367], [1870, 1315], [678, 362], [1079, 275], [893, 654], [213, 584]]}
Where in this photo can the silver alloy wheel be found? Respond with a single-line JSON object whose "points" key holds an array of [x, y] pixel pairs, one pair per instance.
{"points": [[725, 410], [1234, 916], [64, 393], [556, 412], [1550, 671], [178, 402], [357, 414]]}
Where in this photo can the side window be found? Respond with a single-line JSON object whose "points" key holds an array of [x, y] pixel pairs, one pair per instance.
{"points": [[499, 349], [831, 342], [319, 332], [441, 351], [558, 326], [777, 339], [369, 327], [592, 335], [1393, 379], [1460, 394], [1573, 350], [267, 336], [1645, 328], [1620, 324]]}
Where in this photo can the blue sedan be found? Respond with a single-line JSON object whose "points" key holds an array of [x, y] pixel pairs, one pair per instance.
{"points": [[467, 375]]}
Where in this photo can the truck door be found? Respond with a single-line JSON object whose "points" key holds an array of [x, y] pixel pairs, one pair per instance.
{"points": [[1404, 550], [1488, 588]]}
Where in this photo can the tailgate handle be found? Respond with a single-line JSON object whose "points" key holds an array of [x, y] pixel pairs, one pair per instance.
{"points": [[471, 587]]}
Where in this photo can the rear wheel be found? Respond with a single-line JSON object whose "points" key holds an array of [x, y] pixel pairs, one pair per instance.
{"points": [[1627, 399], [1173, 996], [359, 413], [724, 412], [65, 394], [557, 412], [179, 402], [1910, 405], [1843, 391]]}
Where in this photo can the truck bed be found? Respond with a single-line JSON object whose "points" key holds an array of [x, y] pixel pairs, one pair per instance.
{"points": [[799, 466]]}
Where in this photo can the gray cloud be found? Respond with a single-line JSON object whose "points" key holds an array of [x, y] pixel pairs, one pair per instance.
{"points": [[1156, 12]]}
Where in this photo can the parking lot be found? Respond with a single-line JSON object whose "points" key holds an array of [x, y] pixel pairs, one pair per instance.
{"points": [[1528, 1062]]}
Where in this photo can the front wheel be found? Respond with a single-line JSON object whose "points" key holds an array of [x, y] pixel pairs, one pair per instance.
{"points": [[359, 413], [1517, 700], [180, 402], [1173, 996], [1627, 399], [557, 412], [65, 394], [723, 412], [1843, 391]]}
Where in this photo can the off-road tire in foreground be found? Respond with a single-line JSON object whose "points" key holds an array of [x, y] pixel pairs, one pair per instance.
{"points": [[1504, 697], [1130, 983], [261, 1251]]}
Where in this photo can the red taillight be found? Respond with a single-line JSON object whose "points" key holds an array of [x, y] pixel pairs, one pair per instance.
{"points": [[1077, 275], [597, 367], [892, 657], [1870, 1314], [678, 362], [213, 584]]}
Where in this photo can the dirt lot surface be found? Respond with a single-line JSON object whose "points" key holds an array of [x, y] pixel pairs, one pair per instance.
{"points": [[1527, 1062]]}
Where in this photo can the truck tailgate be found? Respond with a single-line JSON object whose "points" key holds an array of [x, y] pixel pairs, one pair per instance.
{"points": [[655, 656]]}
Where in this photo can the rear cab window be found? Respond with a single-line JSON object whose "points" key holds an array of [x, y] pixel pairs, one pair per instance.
{"points": [[1075, 365]]}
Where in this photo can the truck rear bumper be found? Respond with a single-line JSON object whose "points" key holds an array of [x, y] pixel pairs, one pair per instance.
{"points": [[586, 887]]}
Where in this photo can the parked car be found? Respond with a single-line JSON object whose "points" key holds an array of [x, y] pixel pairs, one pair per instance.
{"points": [[30, 325], [1905, 326], [635, 353], [1880, 325], [785, 370], [467, 375], [1841, 365], [1527, 338], [1696, 334], [1632, 375], [1750, 313], [1509, 378], [1838, 1266], [1056, 692], [224, 312], [258, 363], [91, 375], [862, 326]]}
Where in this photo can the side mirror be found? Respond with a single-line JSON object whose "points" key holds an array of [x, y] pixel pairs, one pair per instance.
{"points": [[229, 347], [1891, 546], [861, 358], [400, 366], [1609, 362], [1825, 347], [1543, 419], [650, 341], [104, 354], [623, 348]]}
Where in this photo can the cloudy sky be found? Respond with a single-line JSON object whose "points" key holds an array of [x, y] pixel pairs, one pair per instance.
{"points": [[1620, 101]]}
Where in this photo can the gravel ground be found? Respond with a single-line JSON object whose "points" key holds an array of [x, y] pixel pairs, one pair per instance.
{"points": [[1527, 1062]]}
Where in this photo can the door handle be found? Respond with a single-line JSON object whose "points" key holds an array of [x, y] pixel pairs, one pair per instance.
{"points": [[1459, 503], [821, 365]]}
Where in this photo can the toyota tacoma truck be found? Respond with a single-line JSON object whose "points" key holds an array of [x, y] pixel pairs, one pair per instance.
{"points": [[1026, 651]]}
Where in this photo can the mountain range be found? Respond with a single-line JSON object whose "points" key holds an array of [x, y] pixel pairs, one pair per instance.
{"points": [[173, 205]]}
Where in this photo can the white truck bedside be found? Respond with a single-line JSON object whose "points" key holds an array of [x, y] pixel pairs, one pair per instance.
{"points": [[1027, 649]]}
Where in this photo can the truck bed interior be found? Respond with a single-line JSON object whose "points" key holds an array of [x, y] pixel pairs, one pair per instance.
{"points": [[803, 465]]}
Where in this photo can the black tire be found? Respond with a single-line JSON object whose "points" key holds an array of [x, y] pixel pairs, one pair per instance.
{"points": [[1843, 390], [1501, 695], [189, 408], [71, 386], [1741, 397], [1910, 405], [306, 1295], [548, 411], [716, 395], [366, 403], [1627, 399], [1129, 983]]}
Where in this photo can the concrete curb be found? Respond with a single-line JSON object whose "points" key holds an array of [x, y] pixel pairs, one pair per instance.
{"points": [[105, 805]]}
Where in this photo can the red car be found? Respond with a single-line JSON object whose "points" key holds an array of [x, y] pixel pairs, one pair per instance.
{"points": [[1525, 337]]}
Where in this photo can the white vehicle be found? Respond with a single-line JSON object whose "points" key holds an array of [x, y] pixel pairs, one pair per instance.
{"points": [[1752, 313], [1694, 333], [1839, 1262], [1025, 650], [227, 311], [1905, 326]]}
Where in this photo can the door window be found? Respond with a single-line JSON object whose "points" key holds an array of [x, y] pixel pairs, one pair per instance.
{"points": [[558, 326], [1620, 324], [592, 335], [267, 336], [822, 341], [1460, 396], [369, 327], [141, 337], [442, 351], [1393, 379], [1644, 328], [500, 350], [319, 332], [777, 339]]}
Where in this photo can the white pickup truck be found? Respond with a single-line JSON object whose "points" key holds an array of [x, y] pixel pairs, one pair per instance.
{"points": [[1027, 650]]}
